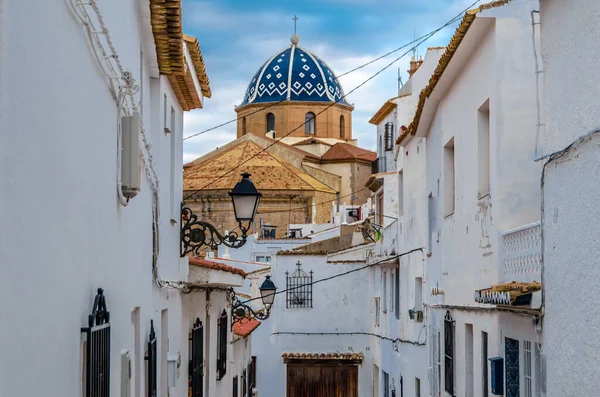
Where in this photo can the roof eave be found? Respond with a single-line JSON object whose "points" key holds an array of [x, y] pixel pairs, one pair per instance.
{"points": [[444, 61]]}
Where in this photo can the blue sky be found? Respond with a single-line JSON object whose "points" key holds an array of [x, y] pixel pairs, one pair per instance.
{"points": [[236, 37]]}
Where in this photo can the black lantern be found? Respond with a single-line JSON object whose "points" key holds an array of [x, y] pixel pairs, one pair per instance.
{"points": [[195, 233], [245, 199], [267, 291], [240, 310]]}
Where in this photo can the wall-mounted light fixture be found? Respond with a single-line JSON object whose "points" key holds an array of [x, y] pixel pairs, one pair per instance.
{"points": [[240, 310], [196, 234]]}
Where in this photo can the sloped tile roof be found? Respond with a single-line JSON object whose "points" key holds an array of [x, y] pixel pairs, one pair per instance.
{"points": [[245, 327], [311, 141], [443, 63], [216, 266], [346, 151], [165, 18], [324, 356], [268, 172]]}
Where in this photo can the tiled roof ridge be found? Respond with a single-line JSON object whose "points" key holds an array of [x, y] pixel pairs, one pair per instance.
{"points": [[351, 151], [443, 63], [199, 65], [324, 356], [310, 140], [197, 261]]}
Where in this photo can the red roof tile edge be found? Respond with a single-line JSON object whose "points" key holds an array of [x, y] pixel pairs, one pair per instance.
{"points": [[216, 266], [245, 327]]}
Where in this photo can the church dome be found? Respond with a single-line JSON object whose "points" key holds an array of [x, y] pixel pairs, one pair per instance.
{"points": [[294, 74]]}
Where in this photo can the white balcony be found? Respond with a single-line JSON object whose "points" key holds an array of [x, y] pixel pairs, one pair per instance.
{"points": [[522, 254]]}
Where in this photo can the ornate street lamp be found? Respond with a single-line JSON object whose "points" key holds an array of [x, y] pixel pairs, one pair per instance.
{"points": [[240, 310], [195, 234]]}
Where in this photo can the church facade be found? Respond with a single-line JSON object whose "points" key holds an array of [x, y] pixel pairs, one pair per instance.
{"points": [[294, 136]]}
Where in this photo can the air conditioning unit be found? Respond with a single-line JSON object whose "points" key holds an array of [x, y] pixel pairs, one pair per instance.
{"points": [[130, 154]]}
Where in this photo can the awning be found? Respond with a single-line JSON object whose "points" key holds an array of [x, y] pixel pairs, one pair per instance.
{"points": [[510, 294]]}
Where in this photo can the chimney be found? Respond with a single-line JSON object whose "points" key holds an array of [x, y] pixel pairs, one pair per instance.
{"points": [[414, 65]]}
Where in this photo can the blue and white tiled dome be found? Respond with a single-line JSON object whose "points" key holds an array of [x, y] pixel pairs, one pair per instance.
{"points": [[294, 74]]}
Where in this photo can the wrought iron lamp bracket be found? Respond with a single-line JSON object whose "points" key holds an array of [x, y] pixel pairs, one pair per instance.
{"points": [[196, 234], [240, 311]]}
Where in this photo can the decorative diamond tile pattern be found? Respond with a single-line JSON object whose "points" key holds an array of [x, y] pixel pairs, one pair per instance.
{"points": [[522, 251], [311, 80]]}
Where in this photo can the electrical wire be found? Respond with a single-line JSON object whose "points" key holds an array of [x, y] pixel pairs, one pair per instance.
{"points": [[393, 340], [338, 77], [340, 274], [425, 38]]}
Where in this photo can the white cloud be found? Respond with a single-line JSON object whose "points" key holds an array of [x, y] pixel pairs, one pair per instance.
{"points": [[230, 69]]}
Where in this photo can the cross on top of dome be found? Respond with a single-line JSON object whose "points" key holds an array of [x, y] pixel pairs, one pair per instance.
{"points": [[295, 39]]}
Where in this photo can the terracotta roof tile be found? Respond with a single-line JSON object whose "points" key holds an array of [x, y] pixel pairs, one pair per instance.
{"points": [[311, 141], [324, 356], [346, 151], [443, 63], [245, 327], [268, 171], [216, 266]]}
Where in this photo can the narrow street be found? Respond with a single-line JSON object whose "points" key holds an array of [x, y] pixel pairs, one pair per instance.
{"points": [[210, 198]]}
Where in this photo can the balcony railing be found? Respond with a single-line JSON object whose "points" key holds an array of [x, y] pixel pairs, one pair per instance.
{"points": [[522, 253], [379, 165]]}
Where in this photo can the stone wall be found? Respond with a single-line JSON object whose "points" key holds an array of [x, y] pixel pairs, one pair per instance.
{"points": [[290, 116], [275, 208]]}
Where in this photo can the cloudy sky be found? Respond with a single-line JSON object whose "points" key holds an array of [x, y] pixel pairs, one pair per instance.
{"points": [[238, 36]]}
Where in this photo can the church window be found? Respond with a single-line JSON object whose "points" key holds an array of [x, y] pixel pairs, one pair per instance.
{"points": [[342, 126], [244, 126], [389, 136], [309, 123], [270, 122], [299, 288]]}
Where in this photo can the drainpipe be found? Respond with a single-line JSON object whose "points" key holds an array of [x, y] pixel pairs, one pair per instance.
{"points": [[207, 360]]}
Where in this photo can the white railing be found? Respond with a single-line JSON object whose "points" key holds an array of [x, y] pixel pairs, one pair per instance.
{"points": [[522, 253]]}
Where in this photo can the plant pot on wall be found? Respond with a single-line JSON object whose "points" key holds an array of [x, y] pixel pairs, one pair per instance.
{"points": [[411, 314]]}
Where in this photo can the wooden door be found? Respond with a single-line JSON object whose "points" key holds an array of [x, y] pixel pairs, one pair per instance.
{"points": [[322, 380]]}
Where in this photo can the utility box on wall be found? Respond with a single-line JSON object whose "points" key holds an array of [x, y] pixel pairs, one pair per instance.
{"points": [[497, 375], [130, 154]]}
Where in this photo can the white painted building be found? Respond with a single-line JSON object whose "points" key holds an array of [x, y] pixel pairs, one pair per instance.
{"points": [[316, 327], [400, 358], [469, 198], [569, 144], [69, 202]]}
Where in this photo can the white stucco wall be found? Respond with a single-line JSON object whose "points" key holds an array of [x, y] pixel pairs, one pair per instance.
{"points": [[59, 210], [336, 301], [464, 245], [570, 232]]}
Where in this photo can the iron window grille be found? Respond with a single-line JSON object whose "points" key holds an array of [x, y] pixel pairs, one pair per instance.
{"points": [[97, 370], [449, 353], [299, 288], [389, 136], [222, 342], [235, 386], [152, 359], [197, 359]]}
